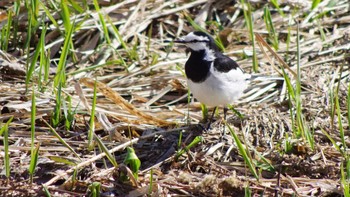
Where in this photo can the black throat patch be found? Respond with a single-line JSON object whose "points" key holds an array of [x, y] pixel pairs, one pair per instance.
{"points": [[197, 69]]}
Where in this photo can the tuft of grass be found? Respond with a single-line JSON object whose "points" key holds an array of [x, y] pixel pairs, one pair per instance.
{"points": [[44, 62], [270, 28], [6, 32], [56, 114], [95, 189], [300, 129], [33, 6], [68, 113], [247, 191], [204, 109], [48, 14], [247, 159], [61, 67], [195, 141], [249, 22]]}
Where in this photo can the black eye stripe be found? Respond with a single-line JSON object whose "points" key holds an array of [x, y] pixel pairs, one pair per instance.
{"points": [[195, 41]]}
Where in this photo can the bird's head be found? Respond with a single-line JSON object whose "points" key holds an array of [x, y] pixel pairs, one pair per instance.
{"points": [[198, 41]]}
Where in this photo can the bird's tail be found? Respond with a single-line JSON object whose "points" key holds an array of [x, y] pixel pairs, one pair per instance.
{"points": [[262, 88], [265, 78]]}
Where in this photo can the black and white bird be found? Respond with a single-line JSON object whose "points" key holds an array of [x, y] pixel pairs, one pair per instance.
{"points": [[213, 78]]}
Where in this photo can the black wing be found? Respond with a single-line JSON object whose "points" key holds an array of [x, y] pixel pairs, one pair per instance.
{"points": [[224, 64]]}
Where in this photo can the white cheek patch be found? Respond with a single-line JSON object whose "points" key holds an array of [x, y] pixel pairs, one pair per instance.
{"points": [[197, 46]]}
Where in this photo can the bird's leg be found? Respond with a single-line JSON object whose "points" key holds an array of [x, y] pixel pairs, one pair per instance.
{"points": [[212, 117], [225, 113]]}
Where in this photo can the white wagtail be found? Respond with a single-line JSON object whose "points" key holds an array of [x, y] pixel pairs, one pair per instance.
{"points": [[213, 78]]}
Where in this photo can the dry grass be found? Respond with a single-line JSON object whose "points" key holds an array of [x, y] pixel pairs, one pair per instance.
{"points": [[142, 102]]}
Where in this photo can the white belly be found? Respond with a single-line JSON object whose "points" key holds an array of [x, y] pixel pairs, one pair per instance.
{"points": [[215, 92]]}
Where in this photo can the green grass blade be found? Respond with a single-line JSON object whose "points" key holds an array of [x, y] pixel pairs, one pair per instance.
{"points": [[340, 124], [61, 68], [334, 143], [275, 3], [32, 120], [95, 189], [298, 102], [61, 139], [237, 113], [46, 191], [102, 21], [56, 116], [44, 61], [34, 11], [91, 131], [179, 142], [30, 31], [194, 24], [49, 15], [4, 130], [243, 152], [110, 157], [309, 137], [348, 103], [74, 177], [291, 99], [247, 191], [33, 162], [195, 141], [150, 189], [204, 111], [59, 159], [118, 36], [38, 51], [65, 15], [76, 6], [315, 4], [344, 182], [68, 113]]}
